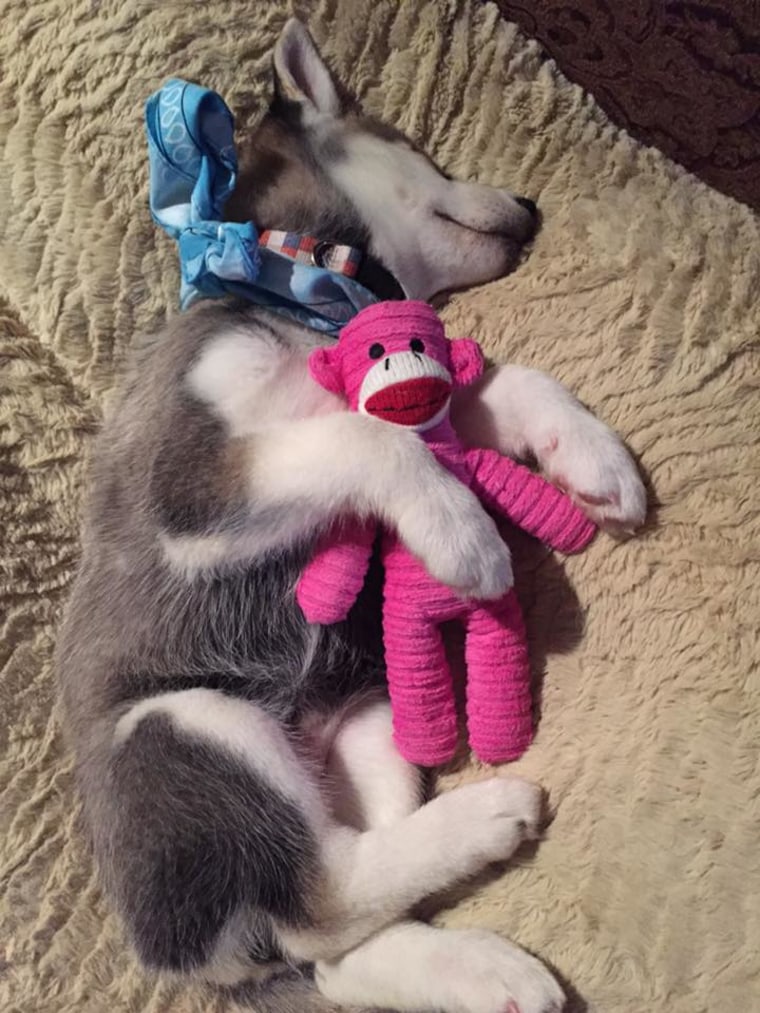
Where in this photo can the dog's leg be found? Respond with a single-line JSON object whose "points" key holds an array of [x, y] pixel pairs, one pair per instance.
{"points": [[312, 470], [373, 879], [372, 784], [221, 832], [412, 966], [284, 478], [523, 412], [297, 474], [210, 829]]}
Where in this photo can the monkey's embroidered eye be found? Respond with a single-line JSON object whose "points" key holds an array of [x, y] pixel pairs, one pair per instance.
{"points": [[417, 345], [376, 351]]}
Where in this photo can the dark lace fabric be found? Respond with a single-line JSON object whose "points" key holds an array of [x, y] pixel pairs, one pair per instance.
{"points": [[682, 76]]}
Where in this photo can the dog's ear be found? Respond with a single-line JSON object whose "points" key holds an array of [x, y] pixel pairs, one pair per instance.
{"points": [[300, 72], [466, 360], [325, 367]]}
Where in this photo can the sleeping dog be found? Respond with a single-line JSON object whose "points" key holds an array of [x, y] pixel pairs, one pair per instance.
{"points": [[247, 808]]}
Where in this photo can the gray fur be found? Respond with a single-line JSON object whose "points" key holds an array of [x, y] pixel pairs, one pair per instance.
{"points": [[283, 183], [135, 628], [191, 834], [164, 464], [185, 836]]}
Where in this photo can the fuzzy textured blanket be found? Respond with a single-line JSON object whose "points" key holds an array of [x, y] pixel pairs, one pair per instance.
{"points": [[642, 293]]}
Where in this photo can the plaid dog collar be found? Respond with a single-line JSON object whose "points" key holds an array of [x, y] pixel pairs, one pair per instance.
{"points": [[350, 261], [309, 250]]}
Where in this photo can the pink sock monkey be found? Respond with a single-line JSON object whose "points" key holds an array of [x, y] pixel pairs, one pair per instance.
{"points": [[393, 361]]}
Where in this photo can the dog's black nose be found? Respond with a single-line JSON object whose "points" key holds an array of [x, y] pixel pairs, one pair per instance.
{"points": [[529, 205]]}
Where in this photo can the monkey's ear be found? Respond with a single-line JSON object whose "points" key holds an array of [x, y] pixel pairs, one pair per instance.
{"points": [[466, 361], [324, 366]]}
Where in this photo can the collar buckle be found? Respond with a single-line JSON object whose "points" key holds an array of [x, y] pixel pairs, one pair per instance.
{"points": [[322, 254]]}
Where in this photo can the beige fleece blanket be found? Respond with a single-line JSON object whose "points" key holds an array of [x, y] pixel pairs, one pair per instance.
{"points": [[642, 294]]}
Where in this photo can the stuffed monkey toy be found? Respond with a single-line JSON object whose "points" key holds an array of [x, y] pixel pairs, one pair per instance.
{"points": [[393, 361]]}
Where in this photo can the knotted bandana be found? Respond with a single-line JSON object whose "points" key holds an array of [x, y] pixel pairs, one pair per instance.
{"points": [[193, 169]]}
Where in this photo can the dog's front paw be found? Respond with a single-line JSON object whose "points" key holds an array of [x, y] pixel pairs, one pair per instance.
{"points": [[480, 563], [590, 462], [460, 546]]}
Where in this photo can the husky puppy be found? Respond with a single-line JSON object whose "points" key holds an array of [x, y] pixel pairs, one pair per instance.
{"points": [[247, 808]]}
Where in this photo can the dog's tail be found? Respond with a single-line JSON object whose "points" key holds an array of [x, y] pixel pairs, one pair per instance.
{"points": [[289, 992]]}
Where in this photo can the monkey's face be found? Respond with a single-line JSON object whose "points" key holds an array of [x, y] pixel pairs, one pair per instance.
{"points": [[394, 361], [406, 383]]}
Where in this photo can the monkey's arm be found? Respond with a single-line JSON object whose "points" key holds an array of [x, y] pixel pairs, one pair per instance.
{"points": [[332, 580], [529, 501]]}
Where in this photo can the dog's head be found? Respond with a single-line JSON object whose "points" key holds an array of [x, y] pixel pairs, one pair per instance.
{"points": [[315, 165]]}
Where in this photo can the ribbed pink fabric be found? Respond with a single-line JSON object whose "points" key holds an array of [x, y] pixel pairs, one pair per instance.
{"points": [[499, 721], [342, 367], [331, 582]]}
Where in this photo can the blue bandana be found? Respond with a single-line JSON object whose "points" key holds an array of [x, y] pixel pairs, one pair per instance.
{"points": [[193, 167]]}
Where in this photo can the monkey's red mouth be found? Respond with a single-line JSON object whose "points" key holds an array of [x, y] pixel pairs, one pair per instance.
{"points": [[411, 402]]}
